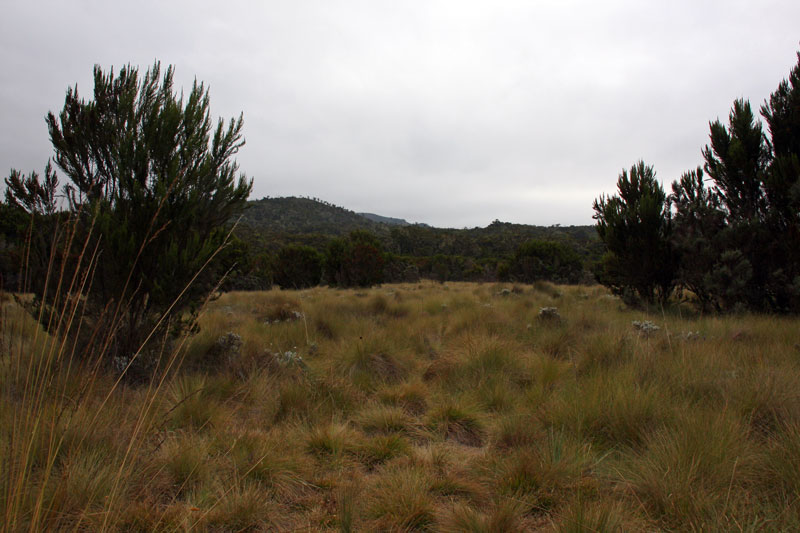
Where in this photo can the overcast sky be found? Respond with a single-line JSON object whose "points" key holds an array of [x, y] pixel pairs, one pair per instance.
{"points": [[449, 112]]}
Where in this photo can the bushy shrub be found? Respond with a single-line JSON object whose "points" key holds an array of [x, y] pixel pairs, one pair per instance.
{"points": [[546, 260], [297, 267], [151, 190], [635, 225], [356, 261], [739, 239]]}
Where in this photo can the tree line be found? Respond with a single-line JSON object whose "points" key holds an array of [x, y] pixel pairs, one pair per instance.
{"points": [[271, 235], [360, 259], [727, 235]]}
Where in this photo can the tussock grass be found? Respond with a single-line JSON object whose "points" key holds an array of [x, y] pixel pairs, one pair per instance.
{"points": [[459, 421], [689, 473], [381, 448], [186, 461], [332, 439], [412, 407], [380, 418], [600, 517], [610, 410], [506, 516], [399, 500], [410, 395]]}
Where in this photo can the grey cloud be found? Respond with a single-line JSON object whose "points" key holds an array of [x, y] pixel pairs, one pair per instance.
{"points": [[447, 112]]}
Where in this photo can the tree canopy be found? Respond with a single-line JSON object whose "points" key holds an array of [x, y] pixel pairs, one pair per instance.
{"points": [[730, 231], [152, 184], [635, 226]]}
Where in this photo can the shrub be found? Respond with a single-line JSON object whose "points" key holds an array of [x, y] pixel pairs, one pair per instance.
{"points": [[635, 226], [546, 260], [150, 193], [356, 261], [297, 267]]}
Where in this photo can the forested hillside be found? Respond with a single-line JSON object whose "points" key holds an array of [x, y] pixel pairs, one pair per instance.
{"points": [[272, 228], [314, 222], [293, 215]]}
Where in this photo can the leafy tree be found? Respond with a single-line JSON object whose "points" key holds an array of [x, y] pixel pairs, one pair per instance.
{"points": [[356, 261], [736, 161], [698, 226], [546, 260], [400, 269], [737, 241], [755, 195], [246, 270], [782, 184], [12, 239], [31, 195], [635, 226], [28, 200], [440, 267], [298, 267], [152, 186]]}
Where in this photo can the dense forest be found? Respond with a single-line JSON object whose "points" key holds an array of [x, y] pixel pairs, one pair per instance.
{"points": [[271, 230]]}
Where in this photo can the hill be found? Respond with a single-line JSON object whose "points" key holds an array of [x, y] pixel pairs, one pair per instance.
{"points": [[386, 220], [467, 254], [315, 222], [295, 215]]}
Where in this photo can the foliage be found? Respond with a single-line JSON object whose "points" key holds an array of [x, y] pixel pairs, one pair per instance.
{"points": [[737, 161], [739, 240], [150, 189], [635, 226], [412, 251], [298, 267], [295, 215], [698, 223], [245, 269], [356, 261], [400, 269], [29, 203], [544, 260], [735, 243], [30, 194], [782, 185], [12, 238]]}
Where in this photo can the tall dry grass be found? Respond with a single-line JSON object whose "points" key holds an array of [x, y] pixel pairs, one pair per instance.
{"points": [[416, 407]]}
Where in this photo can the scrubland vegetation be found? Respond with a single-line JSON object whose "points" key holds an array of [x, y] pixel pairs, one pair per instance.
{"points": [[135, 396], [412, 407]]}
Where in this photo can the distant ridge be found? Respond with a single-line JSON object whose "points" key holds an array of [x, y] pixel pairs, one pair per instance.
{"points": [[273, 222], [306, 215], [284, 217], [385, 220]]}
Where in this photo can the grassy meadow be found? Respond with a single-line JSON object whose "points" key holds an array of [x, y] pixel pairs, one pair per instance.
{"points": [[412, 407]]}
